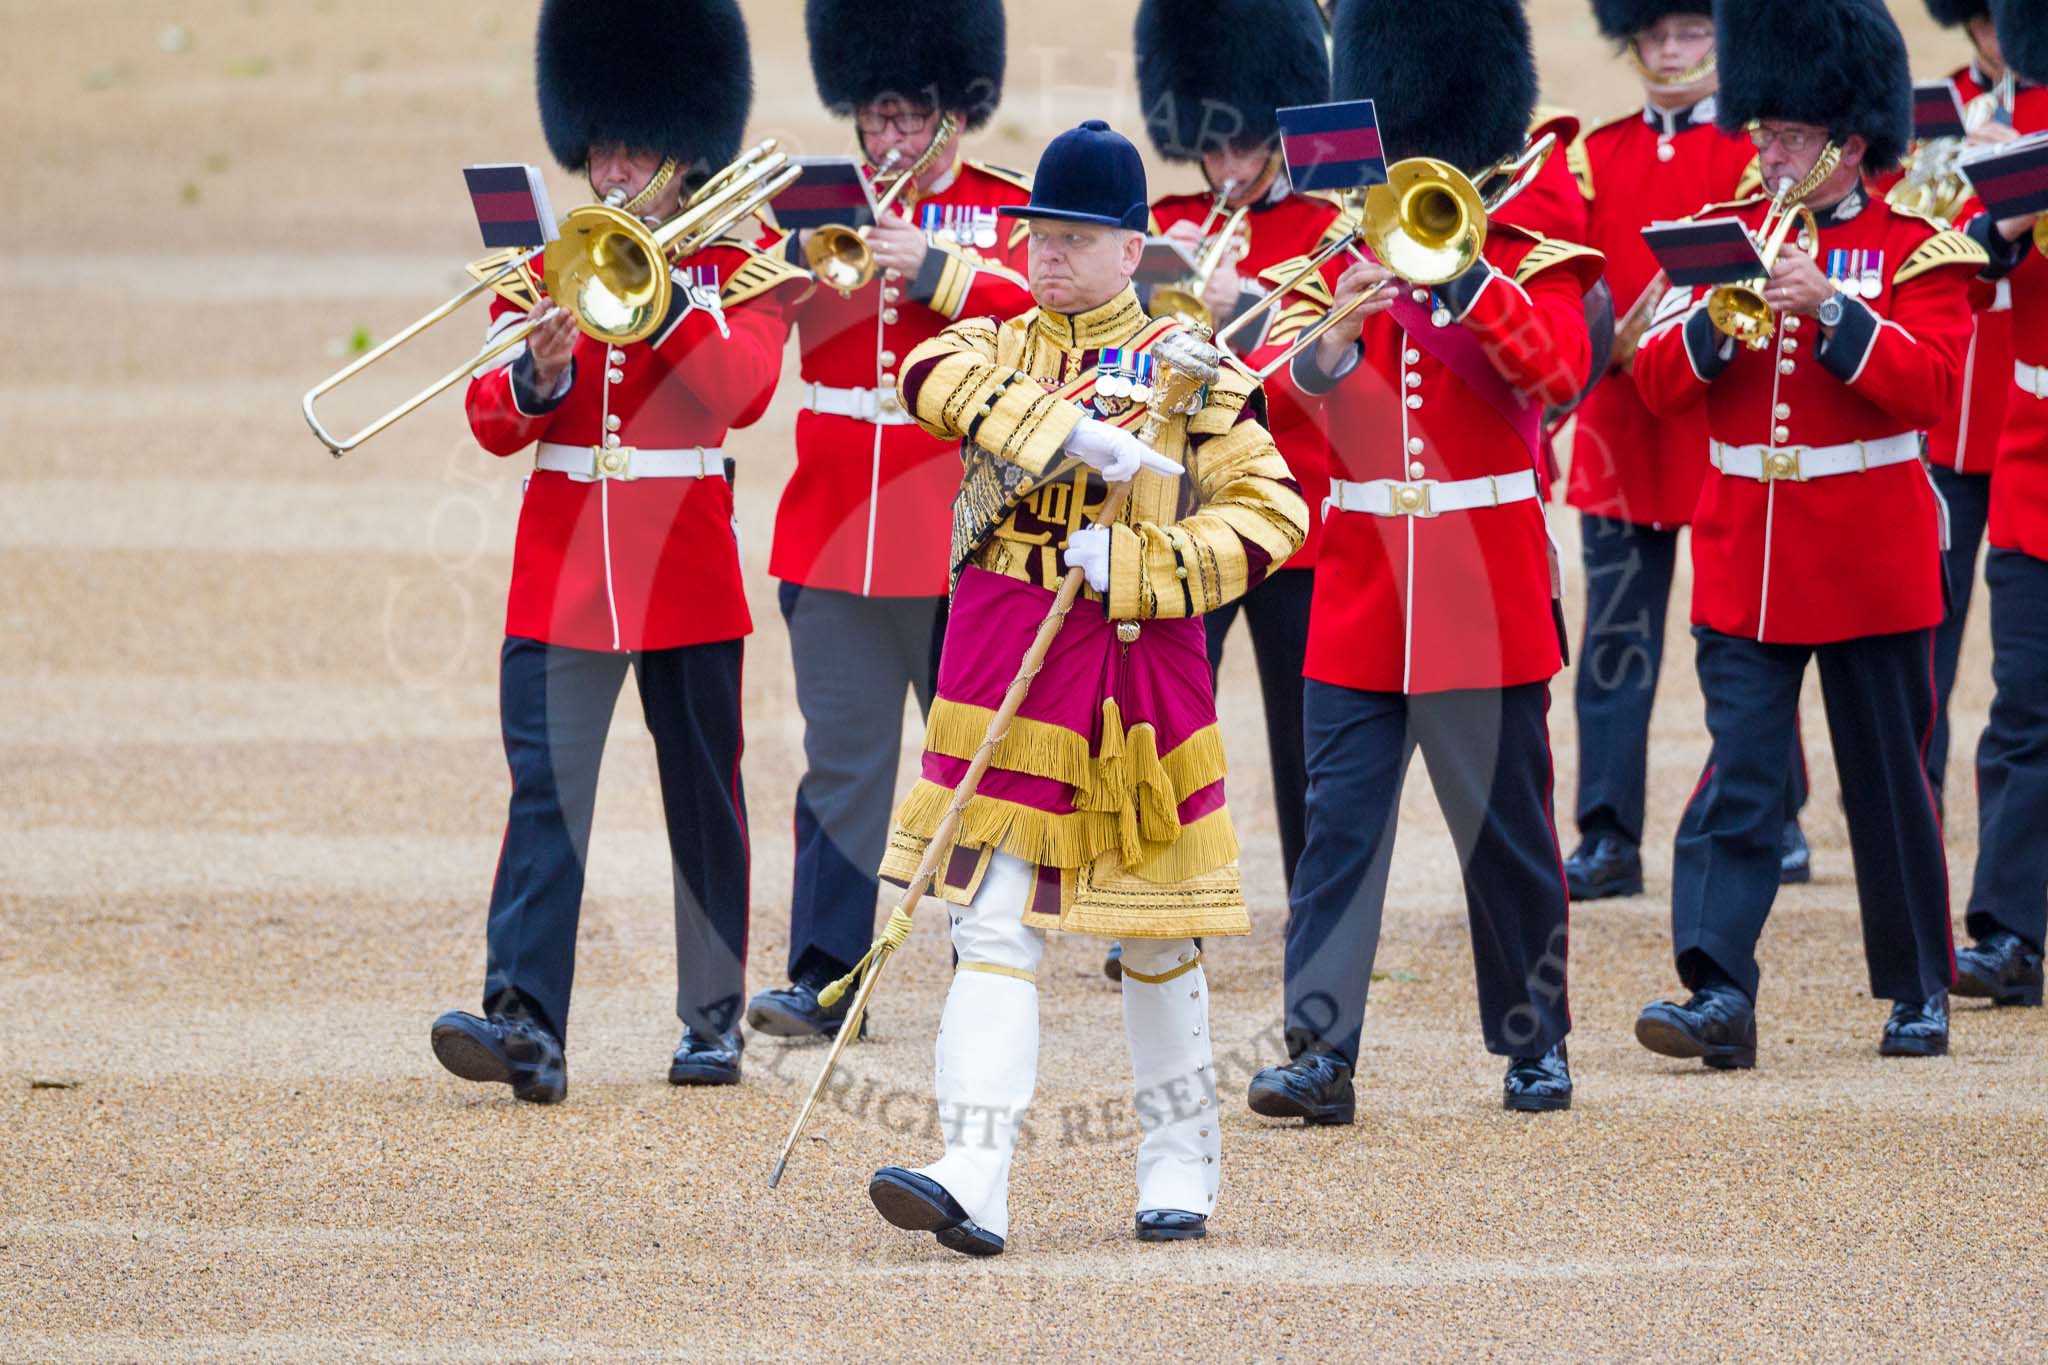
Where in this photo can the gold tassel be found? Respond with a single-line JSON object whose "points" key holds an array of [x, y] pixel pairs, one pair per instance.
{"points": [[1203, 846], [957, 729]]}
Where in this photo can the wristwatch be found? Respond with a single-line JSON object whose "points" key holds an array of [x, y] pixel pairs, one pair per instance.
{"points": [[1830, 311]]}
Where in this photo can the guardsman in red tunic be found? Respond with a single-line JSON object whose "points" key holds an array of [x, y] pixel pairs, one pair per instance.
{"points": [[1818, 534], [625, 558], [1434, 624], [1210, 78], [1961, 449], [1635, 478], [2008, 913], [861, 534]]}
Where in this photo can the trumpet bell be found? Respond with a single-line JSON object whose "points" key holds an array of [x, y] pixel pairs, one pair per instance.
{"points": [[840, 257], [1427, 224], [1739, 311], [603, 269]]}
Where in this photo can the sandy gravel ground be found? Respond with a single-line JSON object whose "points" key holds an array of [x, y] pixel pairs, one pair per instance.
{"points": [[251, 793]]}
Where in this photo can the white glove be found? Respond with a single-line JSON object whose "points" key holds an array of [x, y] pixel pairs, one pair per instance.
{"points": [[1114, 451], [1088, 551]]}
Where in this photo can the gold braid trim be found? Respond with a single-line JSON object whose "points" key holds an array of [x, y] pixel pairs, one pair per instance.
{"points": [[998, 969], [1943, 249], [1163, 977]]}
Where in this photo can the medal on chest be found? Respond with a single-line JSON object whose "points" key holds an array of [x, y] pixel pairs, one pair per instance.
{"points": [[961, 224], [1123, 380], [1858, 274]]}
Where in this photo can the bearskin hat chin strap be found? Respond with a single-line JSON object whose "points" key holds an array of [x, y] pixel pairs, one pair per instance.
{"points": [[1692, 75], [655, 185]]}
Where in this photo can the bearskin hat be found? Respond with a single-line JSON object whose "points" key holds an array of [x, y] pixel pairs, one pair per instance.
{"points": [[1954, 13], [1450, 79], [1623, 19], [2023, 36], [690, 104], [1211, 73], [948, 55], [1839, 64]]}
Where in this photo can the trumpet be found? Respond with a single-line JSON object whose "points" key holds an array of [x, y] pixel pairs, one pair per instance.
{"points": [[1738, 310], [1427, 225], [841, 256], [1184, 300], [606, 267], [1933, 186]]}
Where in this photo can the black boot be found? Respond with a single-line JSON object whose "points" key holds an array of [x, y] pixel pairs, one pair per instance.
{"points": [[1718, 1026], [1113, 961], [1315, 1087], [1795, 859], [704, 1060], [2001, 968], [1917, 1029], [793, 1011], [1604, 864], [1171, 1225], [918, 1202], [1537, 1085], [505, 1049]]}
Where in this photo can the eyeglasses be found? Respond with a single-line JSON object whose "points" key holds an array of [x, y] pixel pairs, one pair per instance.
{"points": [[1687, 35], [908, 122], [1792, 140]]}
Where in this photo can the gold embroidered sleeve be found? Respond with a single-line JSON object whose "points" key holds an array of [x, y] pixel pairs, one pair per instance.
{"points": [[1249, 519], [958, 390]]}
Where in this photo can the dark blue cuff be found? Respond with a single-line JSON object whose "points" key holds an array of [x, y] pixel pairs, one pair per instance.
{"points": [[1709, 350], [1460, 294], [527, 397], [2005, 256], [1310, 378], [925, 287], [1843, 353]]}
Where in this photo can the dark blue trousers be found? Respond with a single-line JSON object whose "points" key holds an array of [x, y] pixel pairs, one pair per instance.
{"points": [[1629, 570], [1489, 758], [1879, 694], [855, 657], [556, 706], [1969, 507], [2010, 890], [1276, 615]]}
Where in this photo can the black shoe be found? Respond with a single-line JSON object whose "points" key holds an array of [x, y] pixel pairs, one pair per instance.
{"points": [[1917, 1029], [1604, 864], [1795, 859], [2000, 968], [1718, 1026], [1315, 1087], [702, 1060], [1537, 1085], [920, 1203], [504, 1049], [1113, 962], [1171, 1225], [793, 1011]]}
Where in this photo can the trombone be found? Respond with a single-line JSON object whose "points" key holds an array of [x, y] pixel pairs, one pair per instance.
{"points": [[841, 256], [1427, 225], [1738, 310], [1184, 299], [606, 267]]}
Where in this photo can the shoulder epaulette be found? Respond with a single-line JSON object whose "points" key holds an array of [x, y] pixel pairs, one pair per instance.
{"points": [[1552, 251], [762, 272], [1312, 287], [1752, 182], [1002, 173], [520, 288], [1343, 225], [1945, 248], [1580, 165], [1748, 201]]}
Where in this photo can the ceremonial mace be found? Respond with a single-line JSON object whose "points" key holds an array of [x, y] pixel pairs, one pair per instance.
{"points": [[1187, 365]]}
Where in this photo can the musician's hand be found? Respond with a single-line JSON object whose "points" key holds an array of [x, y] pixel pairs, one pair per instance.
{"points": [[1187, 232], [1991, 134], [1221, 293], [551, 344], [898, 245], [1365, 279], [1797, 285], [2012, 229], [1088, 551]]}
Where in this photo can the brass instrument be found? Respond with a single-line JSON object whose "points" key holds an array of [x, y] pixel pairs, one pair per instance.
{"points": [[1427, 224], [840, 256], [607, 268], [1933, 186], [1738, 310], [1184, 300]]}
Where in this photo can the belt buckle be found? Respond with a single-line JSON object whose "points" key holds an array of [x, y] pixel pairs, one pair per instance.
{"points": [[1780, 466], [1412, 499], [886, 404], [614, 463]]}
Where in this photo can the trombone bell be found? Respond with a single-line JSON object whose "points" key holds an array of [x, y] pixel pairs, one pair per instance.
{"points": [[1427, 224]]}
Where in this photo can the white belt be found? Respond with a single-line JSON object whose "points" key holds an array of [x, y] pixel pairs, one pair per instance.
{"points": [[880, 406], [1430, 497], [2032, 379], [590, 464], [1769, 464]]}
